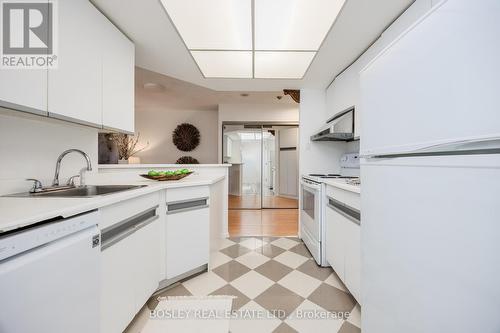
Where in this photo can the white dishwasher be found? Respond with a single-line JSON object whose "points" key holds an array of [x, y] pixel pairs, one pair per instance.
{"points": [[49, 277]]}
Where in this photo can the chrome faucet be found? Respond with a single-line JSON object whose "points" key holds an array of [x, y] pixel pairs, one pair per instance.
{"points": [[55, 182]]}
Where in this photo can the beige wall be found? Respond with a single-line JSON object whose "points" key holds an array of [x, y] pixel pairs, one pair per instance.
{"points": [[156, 124]]}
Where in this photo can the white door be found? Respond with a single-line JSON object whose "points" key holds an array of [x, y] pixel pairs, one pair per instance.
{"points": [[438, 82], [52, 288], [117, 283], [288, 162], [75, 87], [430, 244], [335, 242], [187, 236], [146, 261], [24, 89], [117, 79]]}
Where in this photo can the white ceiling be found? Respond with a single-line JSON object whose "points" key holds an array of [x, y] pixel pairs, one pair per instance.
{"points": [[155, 91], [159, 48]]}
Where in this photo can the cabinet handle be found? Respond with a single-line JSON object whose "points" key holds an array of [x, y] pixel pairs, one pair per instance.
{"points": [[186, 205], [350, 213], [125, 228]]}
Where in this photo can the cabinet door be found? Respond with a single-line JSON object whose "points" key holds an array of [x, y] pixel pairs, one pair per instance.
{"points": [[353, 258], [24, 90], [335, 242], [146, 262], [117, 80], [75, 87], [187, 236], [117, 291]]}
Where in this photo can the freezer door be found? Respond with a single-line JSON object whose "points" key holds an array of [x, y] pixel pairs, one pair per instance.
{"points": [[430, 244], [437, 83]]}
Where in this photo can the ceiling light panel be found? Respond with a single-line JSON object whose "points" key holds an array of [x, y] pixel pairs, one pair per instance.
{"points": [[224, 64], [282, 65], [293, 24], [212, 24]]}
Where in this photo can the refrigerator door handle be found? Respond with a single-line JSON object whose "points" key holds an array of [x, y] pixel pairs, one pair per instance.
{"points": [[465, 147]]}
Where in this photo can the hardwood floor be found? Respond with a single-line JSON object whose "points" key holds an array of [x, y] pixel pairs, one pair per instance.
{"points": [[253, 202], [263, 222]]}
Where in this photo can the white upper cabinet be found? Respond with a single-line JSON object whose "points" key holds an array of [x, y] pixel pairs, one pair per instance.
{"points": [[343, 94], [75, 87], [24, 89], [117, 80]]}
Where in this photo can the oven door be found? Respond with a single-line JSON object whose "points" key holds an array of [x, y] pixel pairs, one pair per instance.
{"points": [[310, 217]]}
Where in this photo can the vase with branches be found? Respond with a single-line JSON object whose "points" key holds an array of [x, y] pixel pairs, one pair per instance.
{"points": [[127, 145]]}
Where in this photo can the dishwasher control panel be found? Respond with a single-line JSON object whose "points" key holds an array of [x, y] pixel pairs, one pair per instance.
{"points": [[30, 238]]}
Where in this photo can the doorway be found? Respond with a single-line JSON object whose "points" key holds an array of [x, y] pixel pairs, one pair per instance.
{"points": [[263, 178]]}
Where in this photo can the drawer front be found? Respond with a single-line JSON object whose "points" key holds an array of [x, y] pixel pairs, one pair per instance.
{"points": [[349, 198], [187, 193], [123, 210]]}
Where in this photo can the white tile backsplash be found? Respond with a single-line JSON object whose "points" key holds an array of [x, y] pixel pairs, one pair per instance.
{"points": [[30, 145]]}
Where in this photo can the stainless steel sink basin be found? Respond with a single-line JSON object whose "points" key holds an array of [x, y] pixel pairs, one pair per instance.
{"points": [[81, 192]]}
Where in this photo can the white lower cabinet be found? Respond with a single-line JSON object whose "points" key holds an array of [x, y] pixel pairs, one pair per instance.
{"points": [[352, 266], [343, 247], [335, 242], [146, 262], [130, 267], [187, 230], [117, 295]]}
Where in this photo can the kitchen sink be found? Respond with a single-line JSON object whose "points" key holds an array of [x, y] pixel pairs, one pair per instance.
{"points": [[80, 192]]}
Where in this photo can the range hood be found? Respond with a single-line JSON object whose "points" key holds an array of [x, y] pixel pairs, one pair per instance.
{"points": [[338, 128]]}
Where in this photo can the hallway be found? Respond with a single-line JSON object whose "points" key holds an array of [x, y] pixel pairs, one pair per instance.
{"points": [[263, 222]]}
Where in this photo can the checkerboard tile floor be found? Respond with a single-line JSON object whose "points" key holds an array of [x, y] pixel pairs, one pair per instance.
{"points": [[278, 277]]}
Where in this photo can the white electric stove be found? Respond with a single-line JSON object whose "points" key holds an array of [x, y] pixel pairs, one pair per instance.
{"points": [[313, 203]]}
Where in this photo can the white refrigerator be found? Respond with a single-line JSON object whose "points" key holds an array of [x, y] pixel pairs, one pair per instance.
{"points": [[430, 172]]}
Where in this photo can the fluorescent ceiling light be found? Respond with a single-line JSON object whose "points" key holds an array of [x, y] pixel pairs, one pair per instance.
{"points": [[294, 24], [282, 65], [253, 38], [212, 24], [220, 64]]}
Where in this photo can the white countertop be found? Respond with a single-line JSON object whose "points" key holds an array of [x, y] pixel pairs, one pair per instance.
{"points": [[341, 183], [159, 166], [21, 212]]}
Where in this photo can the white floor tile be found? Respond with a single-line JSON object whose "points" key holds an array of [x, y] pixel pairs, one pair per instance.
{"points": [[247, 321], [204, 284], [285, 243], [253, 243], [300, 283], [190, 323], [225, 243], [291, 259], [355, 316], [252, 259], [334, 281], [304, 319], [217, 259], [252, 284]]}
